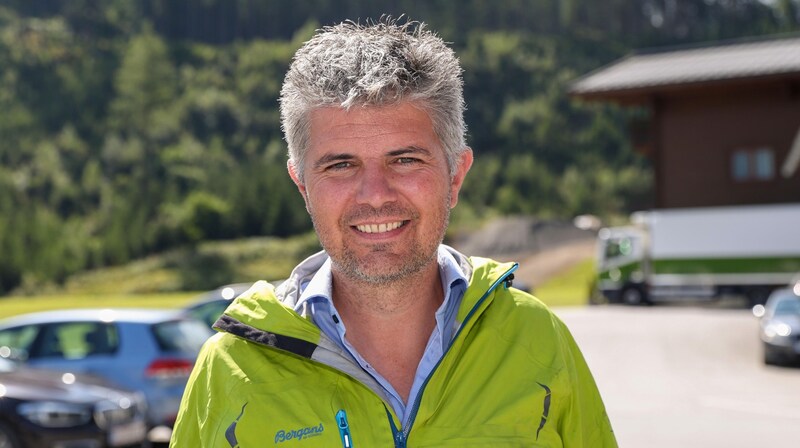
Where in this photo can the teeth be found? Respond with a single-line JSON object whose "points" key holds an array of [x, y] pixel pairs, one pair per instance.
{"points": [[379, 228]]}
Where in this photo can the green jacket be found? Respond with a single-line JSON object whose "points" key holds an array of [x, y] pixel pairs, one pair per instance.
{"points": [[512, 377]]}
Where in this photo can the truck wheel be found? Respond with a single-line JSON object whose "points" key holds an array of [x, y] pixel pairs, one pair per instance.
{"points": [[633, 295]]}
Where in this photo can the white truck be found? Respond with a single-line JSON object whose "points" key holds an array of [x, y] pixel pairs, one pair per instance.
{"points": [[700, 253]]}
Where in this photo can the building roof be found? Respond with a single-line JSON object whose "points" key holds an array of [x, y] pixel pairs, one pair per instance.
{"points": [[731, 61]]}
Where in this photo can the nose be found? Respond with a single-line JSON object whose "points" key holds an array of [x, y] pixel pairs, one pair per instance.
{"points": [[375, 187]]}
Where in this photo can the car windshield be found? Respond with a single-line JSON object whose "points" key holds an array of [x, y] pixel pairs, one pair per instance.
{"points": [[186, 336], [788, 306]]}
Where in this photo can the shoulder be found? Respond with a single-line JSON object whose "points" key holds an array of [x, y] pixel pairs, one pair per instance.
{"points": [[525, 312], [224, 361], [516, 311], [521, 319]]}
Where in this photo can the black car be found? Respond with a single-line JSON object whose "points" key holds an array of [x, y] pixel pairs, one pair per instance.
{"points": [[44, 408], [780, 326]]}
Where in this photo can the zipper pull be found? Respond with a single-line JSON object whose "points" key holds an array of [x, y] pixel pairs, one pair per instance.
{"points": [[344, 428], [400, 439], [509, 281], [398, 436]]}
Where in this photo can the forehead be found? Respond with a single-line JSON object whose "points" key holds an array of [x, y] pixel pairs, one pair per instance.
{"points": [[371, 127]]}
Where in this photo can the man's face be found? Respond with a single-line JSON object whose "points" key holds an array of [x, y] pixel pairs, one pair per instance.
{"points": [[378, 189]]}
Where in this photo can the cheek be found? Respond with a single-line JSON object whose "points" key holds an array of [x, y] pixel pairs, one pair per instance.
{"points": [[425, 186], [436, 198], [324, 202]]}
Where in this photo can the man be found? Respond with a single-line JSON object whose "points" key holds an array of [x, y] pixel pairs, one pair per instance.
{"points": [[388, 337]]}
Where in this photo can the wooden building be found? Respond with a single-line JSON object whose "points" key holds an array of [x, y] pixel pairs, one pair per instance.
{"points": [[723, 124]]}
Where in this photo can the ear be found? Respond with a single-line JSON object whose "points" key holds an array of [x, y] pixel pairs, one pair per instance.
{"points": [[462, 167], [292, 168]]}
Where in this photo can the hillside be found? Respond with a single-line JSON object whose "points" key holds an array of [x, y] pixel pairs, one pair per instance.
{"points": [[544, 249]]}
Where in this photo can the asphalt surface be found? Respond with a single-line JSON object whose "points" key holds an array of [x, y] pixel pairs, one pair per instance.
{"points": [[682, 376]]}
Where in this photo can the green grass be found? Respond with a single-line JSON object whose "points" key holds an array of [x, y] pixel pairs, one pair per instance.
{"points": [[12, 306], [570, 288], [205, 267], [162, 280]]}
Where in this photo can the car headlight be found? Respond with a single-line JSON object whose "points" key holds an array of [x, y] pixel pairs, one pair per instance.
{"points": [[55, 414], [781, 329], [107, 413], [120, 410]]}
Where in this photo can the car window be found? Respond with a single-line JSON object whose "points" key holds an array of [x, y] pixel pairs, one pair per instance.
{"points": [[185, 336], [19, 338], [77, 340], [788, 306], [209, 312]]}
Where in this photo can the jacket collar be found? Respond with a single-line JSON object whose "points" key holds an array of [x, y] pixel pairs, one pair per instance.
{"points": [[265, 309]]}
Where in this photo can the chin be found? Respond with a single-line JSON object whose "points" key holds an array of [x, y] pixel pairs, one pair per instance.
{"points": [[382, 267]]}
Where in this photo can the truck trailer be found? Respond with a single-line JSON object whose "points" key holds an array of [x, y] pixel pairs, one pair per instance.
{"points": [[700, 254]]}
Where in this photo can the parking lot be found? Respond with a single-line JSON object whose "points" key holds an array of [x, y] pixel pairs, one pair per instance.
{"points": [[683, 376]]}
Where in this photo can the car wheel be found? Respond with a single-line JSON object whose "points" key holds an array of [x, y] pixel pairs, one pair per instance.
{"points": [[771, 357], [634, 295], [7, 437]]}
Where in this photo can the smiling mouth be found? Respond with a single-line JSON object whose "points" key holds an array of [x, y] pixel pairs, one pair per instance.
{"points": [[380, 228]]}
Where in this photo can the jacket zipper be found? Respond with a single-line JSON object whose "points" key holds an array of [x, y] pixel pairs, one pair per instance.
{"points": [[344, 429], [398, 436], [401, 437]]}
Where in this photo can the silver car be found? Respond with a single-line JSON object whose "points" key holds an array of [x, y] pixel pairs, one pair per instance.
{"points": [[780, 326], [151, 351]]}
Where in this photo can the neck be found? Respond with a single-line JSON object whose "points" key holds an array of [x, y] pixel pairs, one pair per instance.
{"points": [[411, 294], [390, 325]]}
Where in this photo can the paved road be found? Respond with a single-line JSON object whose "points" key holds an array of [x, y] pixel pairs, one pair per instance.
{"points": [[687, 377]]}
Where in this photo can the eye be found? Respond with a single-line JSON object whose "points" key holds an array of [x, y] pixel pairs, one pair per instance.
{"points": [[339, 166], [406, 160]]}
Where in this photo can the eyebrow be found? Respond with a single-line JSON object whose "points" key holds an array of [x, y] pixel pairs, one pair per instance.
{"points": [[410, 150], [343, 157]]}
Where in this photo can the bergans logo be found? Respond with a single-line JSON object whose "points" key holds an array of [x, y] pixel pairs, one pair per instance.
{"points": [[298, 434]]}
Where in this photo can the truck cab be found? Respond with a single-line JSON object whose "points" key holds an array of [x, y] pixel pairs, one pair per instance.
{"points": [[621, 265]]}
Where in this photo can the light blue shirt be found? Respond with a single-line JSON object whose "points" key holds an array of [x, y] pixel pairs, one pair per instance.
{"points": [[316, 298]]}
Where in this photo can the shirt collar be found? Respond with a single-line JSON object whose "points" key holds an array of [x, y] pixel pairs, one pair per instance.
{"points": [[450, 271], [320, 287]]}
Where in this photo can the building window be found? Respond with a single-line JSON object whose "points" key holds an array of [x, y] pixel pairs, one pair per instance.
{"points": [[753, 164]]}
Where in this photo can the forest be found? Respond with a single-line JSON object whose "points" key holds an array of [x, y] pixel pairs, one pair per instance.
{"points": [[132, 127]]}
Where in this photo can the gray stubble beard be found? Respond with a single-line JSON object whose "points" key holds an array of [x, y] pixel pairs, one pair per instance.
{"points": [[349, 264]]}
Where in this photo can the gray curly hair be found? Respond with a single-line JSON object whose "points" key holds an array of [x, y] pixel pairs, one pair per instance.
{"points": [[380, 63]]}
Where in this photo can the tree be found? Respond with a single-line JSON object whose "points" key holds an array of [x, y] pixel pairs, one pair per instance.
{"points": [[145, 83]]}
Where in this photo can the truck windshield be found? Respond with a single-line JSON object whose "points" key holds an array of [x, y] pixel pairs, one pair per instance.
{"points": [[618, 247]]}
